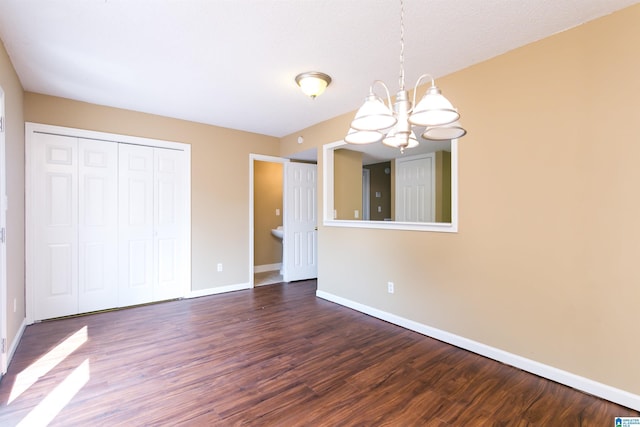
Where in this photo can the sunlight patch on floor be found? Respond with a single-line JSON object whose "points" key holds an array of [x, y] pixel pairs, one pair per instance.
{"points": [[46, 363], [59, 397]]}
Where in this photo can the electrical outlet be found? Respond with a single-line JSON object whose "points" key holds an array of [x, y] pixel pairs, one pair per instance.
{"points": [[277, 212], [356, 214], [390, 287], [219, 266]]}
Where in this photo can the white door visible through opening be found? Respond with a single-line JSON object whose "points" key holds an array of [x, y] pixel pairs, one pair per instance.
{"points": [[415, 189], [300, 225]]}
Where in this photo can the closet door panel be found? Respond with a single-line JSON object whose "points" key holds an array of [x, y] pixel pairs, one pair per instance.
{"points": [[98, 225], [136, 232], [169, 220], [54, 182]]}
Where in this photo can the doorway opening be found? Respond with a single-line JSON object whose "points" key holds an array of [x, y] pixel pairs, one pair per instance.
{"points": [[267, 219], [288, 218]]}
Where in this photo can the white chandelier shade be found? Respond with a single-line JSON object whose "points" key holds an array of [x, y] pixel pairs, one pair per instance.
{"points": [[433, 109], [363, 136], [441, 133], [374, 115]]}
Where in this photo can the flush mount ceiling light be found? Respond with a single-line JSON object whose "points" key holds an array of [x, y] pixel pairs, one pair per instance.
{"points": [[313, 83], [392, 123]]}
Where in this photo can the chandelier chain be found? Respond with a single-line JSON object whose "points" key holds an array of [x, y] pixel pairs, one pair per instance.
{"points": [[401, 78]]}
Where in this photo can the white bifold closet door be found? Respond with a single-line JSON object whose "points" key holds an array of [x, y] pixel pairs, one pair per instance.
{"points": [[169, 220], [107, 224], [75, 244], [97, 225], [136, 231], [151, 221]]}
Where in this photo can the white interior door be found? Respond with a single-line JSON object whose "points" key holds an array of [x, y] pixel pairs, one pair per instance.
{"points": [[169, 201], [98, 225], [415, 188], [55, 235], [135, 232], [300, 222]]}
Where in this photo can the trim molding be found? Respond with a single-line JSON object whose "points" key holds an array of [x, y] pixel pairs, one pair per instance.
{"points": [[586, 385], [267, 267], [328, 212], [218, 290], [16, 341]]}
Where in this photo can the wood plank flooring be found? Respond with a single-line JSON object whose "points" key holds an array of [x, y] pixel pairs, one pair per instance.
{"points": [[271, 356]]}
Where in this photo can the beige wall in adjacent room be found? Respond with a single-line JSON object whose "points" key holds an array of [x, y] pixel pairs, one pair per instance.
{"points": [[347, 184], [267, 190], [545, 263], [14, 152], [219, 177]]}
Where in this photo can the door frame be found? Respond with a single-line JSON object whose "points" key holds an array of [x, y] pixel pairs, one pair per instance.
{"points": [[4, 317], [252, 159], [33, 128], [366, 194]]}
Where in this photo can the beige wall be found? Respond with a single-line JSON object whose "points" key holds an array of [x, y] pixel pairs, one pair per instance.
{"points": [[267, 189], [14, 151], [545, 263], [347, 184], [219, 177]]}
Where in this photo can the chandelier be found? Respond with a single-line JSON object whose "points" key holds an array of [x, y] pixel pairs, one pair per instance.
{"points": [[393, 123]]}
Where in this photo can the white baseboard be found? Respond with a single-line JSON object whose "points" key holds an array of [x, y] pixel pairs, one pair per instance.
{"points": [[218, 290], [586, 385], [267, 267], [16, 341]]}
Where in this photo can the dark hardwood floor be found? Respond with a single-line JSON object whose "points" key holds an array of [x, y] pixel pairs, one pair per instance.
{"points": [[277, 356]]}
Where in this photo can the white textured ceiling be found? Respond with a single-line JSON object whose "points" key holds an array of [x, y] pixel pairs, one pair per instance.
{"points": [[232, 63]]}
